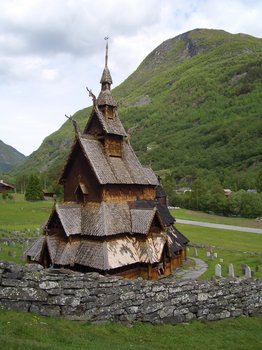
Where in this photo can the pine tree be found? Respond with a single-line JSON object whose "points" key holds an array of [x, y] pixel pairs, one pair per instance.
{"points": [[34, 189]]}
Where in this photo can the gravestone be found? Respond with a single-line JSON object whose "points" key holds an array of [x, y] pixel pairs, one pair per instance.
{"points": [[195, 252], [215, 255], [208, 254], [231, 272], [221, 260], [218, 270], [243, 268], [248, 272]]}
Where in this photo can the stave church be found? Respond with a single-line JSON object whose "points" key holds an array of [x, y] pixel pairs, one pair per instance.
{"points": [[114, 217]]}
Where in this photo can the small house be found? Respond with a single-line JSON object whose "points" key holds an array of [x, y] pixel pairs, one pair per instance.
{"points": [[5, 187]]}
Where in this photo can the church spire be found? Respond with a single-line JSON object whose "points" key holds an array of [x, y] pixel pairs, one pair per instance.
{"points": [[106, 76], [106, 58], [105, 97]]}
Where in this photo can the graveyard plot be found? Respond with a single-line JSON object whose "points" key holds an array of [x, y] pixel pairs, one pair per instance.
{"points": [[224, 258]]}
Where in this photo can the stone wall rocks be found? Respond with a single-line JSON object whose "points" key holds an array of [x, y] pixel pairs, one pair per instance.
{"points": [[93, 297]]}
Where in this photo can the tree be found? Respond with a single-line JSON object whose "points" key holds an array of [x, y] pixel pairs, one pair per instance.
{"points": [[34, 189]]}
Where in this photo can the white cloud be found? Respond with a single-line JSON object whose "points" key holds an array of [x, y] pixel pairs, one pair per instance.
{"points": [[50, 50]]}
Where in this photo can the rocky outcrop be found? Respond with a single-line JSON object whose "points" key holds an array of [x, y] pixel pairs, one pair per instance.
{"points": [[93, 297]]}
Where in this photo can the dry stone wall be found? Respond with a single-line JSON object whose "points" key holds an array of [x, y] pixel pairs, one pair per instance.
{"points": [[93, 297]]}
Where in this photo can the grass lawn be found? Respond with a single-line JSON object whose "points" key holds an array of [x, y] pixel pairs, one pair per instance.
{"points": [[242, 241], [223, 238], [21, 215], [186, 214], [14, 252], [237, 259], [24, 330]]}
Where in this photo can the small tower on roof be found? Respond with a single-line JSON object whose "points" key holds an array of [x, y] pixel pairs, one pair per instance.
{"points": [[105, 99]]}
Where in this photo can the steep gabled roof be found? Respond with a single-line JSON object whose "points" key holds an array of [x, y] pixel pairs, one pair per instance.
{"points": [[109, 126], [70, 218], [36, 248], [116, 170], [142, 219]]}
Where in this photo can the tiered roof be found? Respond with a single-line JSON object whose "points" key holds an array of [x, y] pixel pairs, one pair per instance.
{"points": [[108, 235]]}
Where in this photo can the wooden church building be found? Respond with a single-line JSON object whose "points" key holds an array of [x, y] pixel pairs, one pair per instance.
{"points": [[114, 218]]}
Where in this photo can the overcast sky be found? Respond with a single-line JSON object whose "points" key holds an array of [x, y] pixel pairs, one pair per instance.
{"points": [[50, 50]]}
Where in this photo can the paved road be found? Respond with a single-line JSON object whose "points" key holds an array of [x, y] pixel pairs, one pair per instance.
{"points": [[219, 226]]}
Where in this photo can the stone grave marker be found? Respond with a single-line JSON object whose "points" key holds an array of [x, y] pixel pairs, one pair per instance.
{"points": [[208, 254], [221, 260], [248, 272], [195, 252], [218, 270], [231, 272], [215, 255]]}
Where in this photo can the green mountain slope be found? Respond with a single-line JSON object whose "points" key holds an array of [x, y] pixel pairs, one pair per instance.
{"points": [[9, 157], [194, 106]]}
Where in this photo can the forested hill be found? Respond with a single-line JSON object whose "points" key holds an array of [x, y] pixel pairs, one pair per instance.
{"points": [[194, 105], [9, 157]]}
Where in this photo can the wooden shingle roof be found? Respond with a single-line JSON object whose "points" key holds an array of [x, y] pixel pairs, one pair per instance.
{"points": [[105, 219], [70, 217], [142, 219], [36, 248], [116, 170], [110, 254], [105, 98], [108, 125]]}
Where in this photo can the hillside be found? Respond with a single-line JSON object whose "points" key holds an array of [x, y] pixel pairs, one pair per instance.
{"points": [[9, 157], [195, 105]]}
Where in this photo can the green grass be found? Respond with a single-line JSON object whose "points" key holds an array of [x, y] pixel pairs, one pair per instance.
{"points": [[21, 330], [237, 259], [186, 214], [232, 240], [14, 253], [237, 240], [21, 215]]}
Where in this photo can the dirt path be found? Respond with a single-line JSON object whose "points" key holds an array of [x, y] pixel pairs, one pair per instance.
{"points": [[191, 273]]}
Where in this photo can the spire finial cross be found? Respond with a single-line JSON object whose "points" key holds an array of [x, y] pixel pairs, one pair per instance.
{"points": [[106, 58]]}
